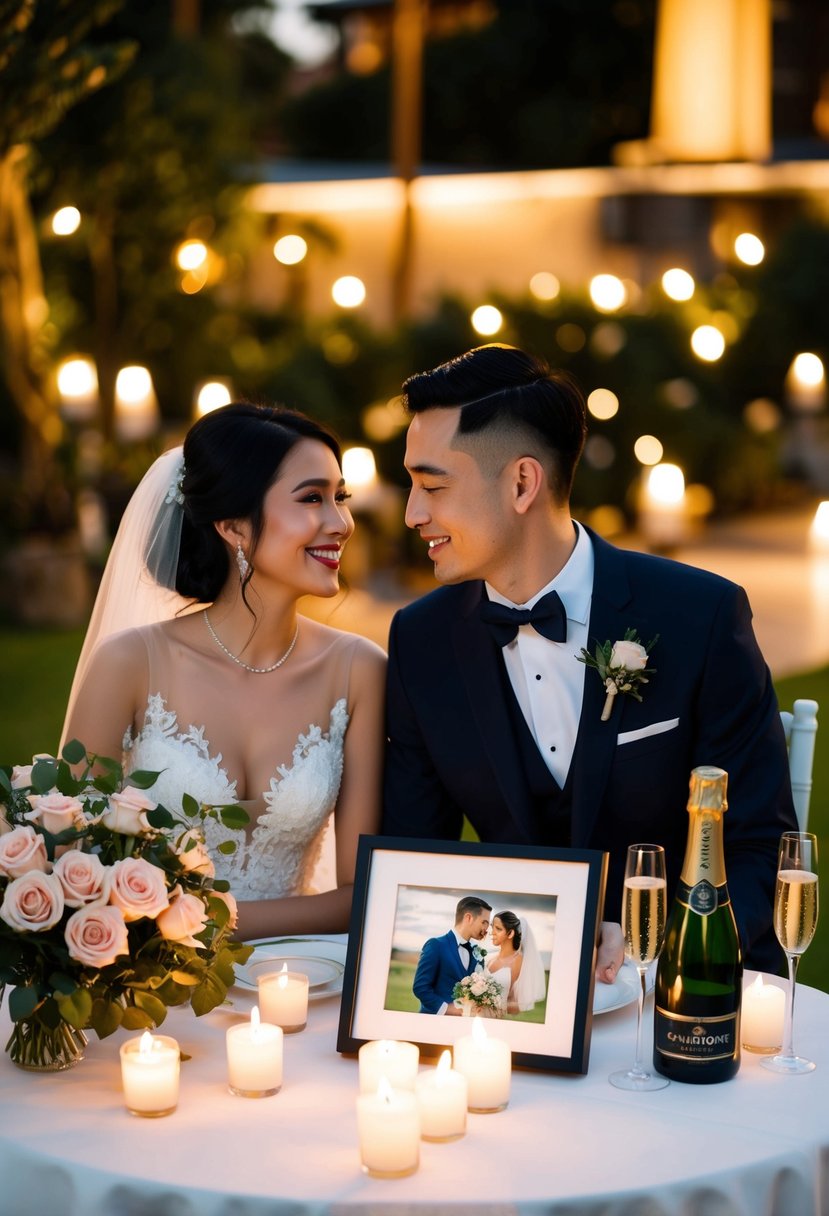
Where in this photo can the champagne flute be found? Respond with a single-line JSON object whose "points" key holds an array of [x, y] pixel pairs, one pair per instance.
{"points": [[643, 924], [795, 921]]}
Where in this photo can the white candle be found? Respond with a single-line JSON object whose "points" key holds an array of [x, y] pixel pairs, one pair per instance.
{"points": [[441, 1100], [283, 999], [486, 1064], [761, 1019], [388, 1126], [397, 1062], [254, 1058], [149, 1074]]}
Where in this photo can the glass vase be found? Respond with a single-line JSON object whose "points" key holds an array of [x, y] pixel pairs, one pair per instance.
{"points": [[37, 1047]]}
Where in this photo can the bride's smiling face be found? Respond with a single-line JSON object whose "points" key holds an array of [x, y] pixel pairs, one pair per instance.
{"points": [[306, 522]]}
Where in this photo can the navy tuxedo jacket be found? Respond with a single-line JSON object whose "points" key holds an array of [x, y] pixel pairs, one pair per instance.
{"points": [[452, 750], [438, 970]]}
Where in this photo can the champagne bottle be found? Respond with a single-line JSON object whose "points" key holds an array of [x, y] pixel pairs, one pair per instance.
{"points": [[699, 975]]}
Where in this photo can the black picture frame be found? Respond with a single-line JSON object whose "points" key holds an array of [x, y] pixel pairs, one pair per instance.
{"points": [[405, 887]]}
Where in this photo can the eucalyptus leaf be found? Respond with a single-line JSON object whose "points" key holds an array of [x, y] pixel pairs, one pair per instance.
{"points": [[106, 1017], [22, 1003], [160, 817], [210, 993], [142, 779], [189, 806], [75, 1009], [234, 816], [151, 1005], [62, 984], [226, 847], [136, 1019], [73, 752], [44, 776], [185, 978]]}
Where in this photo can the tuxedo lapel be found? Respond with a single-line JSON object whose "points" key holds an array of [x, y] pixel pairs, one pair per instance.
{"points": [[478, 657], [596, 742]]}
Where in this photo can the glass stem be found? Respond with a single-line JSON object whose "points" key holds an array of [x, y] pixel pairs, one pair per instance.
{"points": [[638, 1068], [788, 1030]]}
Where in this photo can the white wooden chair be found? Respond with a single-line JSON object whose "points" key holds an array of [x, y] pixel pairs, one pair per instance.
{"points": [[800, 728]]}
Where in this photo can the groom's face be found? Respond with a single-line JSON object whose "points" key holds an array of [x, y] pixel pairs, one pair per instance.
{"points": [[476, 927], [461, 511]]}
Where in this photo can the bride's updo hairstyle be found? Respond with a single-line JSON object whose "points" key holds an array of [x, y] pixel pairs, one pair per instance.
{"points": [[512, 925], [232, 457]]}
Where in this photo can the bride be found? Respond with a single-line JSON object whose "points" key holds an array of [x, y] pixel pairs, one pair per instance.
{"points": [[197, 662], [517, 966]]}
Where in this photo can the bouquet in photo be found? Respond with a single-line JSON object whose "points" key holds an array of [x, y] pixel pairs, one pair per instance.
{"points": [[109, 909], [482, 990]]}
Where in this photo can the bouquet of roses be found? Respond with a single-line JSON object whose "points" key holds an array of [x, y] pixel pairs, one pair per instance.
{"points": [[109, 909], [482, 990]]}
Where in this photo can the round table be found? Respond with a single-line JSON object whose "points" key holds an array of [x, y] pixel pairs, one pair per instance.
{"points": [[565, 1145]]}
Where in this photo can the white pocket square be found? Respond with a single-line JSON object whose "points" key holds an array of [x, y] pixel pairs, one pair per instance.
{"points": [[644, 732]]}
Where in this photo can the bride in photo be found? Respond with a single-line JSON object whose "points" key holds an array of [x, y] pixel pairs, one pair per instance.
{"points": [[517, 966], [198, 665]]}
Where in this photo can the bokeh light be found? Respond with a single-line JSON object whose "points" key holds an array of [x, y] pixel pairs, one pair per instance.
{"points": [[749, 249], [210, 395], [359, 467], [678, 284], [603, 404], [290, 249], [648, 450], [707, 343], [807, 369], [348, 291], [65, 221], [607, 292], [487, 320], [190, 255], [544, 286], [665, 484]]}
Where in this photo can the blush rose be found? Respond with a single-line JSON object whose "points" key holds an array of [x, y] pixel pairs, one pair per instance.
{"points": [[127, 812], [138, 888], [32, 903], [185, 916], [21, 850], [56, 812], [630, 655], [233, 907], [84, 878], [194, 859], [96, 936]]}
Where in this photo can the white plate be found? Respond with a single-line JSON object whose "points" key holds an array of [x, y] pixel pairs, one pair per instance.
{"points": [[623, 991], [321, 960]]}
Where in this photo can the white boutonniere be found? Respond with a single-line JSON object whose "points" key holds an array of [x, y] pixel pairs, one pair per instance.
{"points": [[622, 666], [478, 953]]}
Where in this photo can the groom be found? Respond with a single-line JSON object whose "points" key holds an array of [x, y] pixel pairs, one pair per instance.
{"points": [[445, 960], [490, 713]]}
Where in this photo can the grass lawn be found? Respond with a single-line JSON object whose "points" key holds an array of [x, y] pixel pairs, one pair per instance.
{"points": [[37, 672], [399, 994]]}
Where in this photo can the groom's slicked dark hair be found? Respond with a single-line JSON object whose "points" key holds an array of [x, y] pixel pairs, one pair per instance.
{"points": [[473, 904], [506, 395]]}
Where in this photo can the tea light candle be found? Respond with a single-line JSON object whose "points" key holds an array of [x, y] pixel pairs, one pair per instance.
{"points": [[761, 1020], [441, 1100], [254, 1058], [283, 999], [486, 1063], [388, 1127], [149, 1074], [397, 1062]]}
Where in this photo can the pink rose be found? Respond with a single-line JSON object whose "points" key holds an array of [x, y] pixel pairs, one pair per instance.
{"points": [[195, 859], [127, 812], [32, 903], [84, 879], [56, 812], [185, 916], [22, 773], [21, 850], [96, 936], [629, 655], [138, 888], [233, 907]]}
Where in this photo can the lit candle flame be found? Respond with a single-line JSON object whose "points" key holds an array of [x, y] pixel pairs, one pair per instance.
{"points": [[255, 1023], [146, 1044], [479, 1034], [444, 1065], [384, 1090], [283, 976]]}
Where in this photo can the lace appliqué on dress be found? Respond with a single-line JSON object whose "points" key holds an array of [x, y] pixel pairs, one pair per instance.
{"points": [[278, 856]]}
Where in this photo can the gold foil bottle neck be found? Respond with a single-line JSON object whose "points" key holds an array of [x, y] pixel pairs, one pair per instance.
{"points": [[707, 789]]}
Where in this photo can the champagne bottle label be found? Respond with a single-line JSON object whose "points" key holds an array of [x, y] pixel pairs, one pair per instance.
{"points": [[696, 1040], [703, 897]]}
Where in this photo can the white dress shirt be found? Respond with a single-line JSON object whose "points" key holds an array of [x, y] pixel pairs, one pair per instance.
{"points": [[546, 677], [464, 955]]}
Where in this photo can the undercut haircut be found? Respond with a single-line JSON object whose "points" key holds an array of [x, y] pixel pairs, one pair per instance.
{"points": [[512, 403]]}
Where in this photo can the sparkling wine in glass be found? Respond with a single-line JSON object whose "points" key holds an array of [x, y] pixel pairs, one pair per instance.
{"points": [[643, 924], [795, 921]]}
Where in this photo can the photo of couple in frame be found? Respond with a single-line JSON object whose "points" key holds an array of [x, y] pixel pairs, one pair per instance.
{"points": [[411, 975]]}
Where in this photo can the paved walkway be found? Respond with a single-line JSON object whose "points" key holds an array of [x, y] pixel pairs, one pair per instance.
{"points": [[787, 584]]}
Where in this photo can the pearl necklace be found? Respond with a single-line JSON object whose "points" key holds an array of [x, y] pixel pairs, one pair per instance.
{"points": [[257, 671]]}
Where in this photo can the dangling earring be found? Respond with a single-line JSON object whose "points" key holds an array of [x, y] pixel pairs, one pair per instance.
{"points": [[242, 563]]}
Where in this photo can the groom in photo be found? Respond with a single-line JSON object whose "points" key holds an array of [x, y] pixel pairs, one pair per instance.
{"points": [[446, 960], [490, 712]]}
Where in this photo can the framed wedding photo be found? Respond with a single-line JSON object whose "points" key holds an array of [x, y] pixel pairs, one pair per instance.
{"points": [[407, 965]]}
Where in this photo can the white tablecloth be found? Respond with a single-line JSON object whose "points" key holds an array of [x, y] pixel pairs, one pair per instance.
{"points": [[755, 1146]]}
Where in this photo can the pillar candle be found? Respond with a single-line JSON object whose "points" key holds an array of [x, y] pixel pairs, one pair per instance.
{"points": [[254, 1058], [397, 1062], [388, 1126], [761, 1019], [441, 1099], [486, 1063], [283, 999], [149, 1074]]}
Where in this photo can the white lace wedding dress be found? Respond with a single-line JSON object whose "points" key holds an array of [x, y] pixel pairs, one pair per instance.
{"points": [[278, 851]]}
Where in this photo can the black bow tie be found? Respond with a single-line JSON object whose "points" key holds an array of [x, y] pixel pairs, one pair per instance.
{"points": [[466, 946], [547, 617]]}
